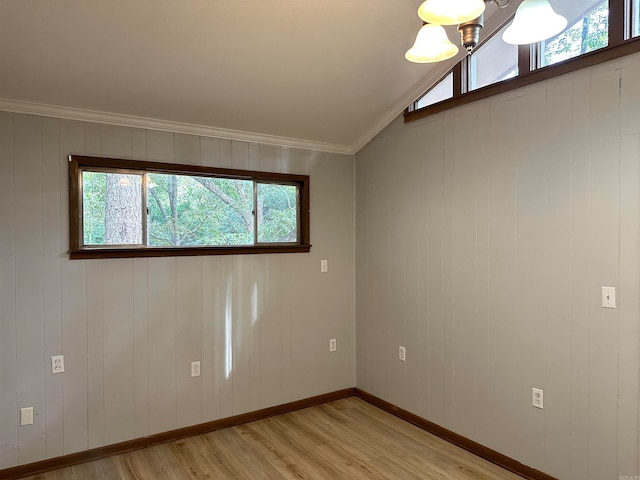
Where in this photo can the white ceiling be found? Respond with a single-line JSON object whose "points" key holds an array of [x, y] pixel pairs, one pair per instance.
{"points": [[326, 74]]}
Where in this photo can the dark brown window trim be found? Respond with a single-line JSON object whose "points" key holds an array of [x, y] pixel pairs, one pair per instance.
{"points": [[77, 251], [619, 26], [617, 48], [571, 65]]}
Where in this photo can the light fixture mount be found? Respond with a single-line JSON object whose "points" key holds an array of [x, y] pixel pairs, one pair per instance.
{"points": [[470, 33]]}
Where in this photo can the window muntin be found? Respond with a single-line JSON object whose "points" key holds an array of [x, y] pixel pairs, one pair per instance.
{"points": [[588, 31], [126, 208], [440, 91], [493, 62]]}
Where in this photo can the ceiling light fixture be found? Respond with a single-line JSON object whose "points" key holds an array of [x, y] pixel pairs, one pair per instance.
{"points": [[448, 12], [534, 21], [431, 45]]}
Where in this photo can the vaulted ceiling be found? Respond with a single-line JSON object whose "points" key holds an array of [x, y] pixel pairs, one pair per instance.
{"points": [[326, 74]]}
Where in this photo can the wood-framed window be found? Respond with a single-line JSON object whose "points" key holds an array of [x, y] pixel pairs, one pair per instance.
{"points": [[125, 208], [604, 30]]}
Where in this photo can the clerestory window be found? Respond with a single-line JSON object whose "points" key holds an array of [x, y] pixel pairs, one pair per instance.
{"points": [[597, 31], [588, 33], [494, 62], [122, 208], [442, 90]]}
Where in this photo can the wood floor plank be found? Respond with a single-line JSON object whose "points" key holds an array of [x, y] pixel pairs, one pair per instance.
{"points": [[346, 439]]}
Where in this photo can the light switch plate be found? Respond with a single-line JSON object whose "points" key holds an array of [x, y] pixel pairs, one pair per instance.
{"points": [[609, 297], [26, 416]]}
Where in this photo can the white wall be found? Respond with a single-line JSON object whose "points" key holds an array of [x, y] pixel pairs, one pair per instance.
{"points": [[129, 328], [484, 235]]}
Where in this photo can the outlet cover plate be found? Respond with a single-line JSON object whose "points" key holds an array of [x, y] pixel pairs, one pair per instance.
{"points": [[57, 364], [537, 398]]}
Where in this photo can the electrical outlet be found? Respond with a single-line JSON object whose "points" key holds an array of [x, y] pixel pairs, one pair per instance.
{"points": [[537, 398], [195, 369], [333, 345], [402, 353], [26, 416], [57, 364]]}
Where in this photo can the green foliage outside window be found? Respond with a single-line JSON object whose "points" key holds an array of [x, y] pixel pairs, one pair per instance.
{"points": [[589, 33], [277, 213], [186, 210], [94, 188]]}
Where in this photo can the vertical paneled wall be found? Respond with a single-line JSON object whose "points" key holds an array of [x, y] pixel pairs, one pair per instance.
{"points": [[129, 328], [484, 236]]}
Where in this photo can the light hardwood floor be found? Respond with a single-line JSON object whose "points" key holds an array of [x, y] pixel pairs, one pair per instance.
{"points": [[345, 439]]}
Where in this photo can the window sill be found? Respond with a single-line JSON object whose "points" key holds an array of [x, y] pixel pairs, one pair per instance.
{"points": [[132, 252]]}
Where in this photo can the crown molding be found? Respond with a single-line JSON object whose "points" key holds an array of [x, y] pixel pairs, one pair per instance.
{"points": [[70, 113]]}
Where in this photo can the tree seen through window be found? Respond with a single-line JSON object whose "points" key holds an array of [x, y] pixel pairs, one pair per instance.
{"points": [[591, 32], [185, 210]]}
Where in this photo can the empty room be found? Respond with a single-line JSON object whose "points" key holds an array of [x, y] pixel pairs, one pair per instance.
{"points": [[284, 239]]}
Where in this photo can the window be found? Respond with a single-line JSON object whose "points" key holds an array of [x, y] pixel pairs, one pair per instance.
{"points": [[441, 91], [122, 208], [598, 31], [493, 62], [590, 32]]}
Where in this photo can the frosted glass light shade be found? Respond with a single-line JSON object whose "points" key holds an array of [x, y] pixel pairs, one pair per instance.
{"points": [[450, 12], [431, 45], [535, 21]]}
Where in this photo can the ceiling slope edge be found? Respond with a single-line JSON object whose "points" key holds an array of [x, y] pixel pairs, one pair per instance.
{"points": [[400, 106], [497, 20], [70, 113]]}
